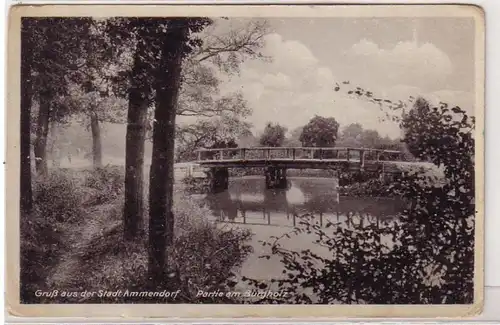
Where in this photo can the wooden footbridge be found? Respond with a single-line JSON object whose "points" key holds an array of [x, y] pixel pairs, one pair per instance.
{"points": [[276, 160]]}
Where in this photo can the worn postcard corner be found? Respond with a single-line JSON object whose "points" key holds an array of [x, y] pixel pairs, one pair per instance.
{"points": [[288, 161]]}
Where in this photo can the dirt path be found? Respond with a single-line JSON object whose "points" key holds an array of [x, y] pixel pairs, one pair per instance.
{"points": [[77, 236]]}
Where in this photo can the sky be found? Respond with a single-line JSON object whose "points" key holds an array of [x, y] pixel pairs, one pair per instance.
{"points": [[393, 57]]}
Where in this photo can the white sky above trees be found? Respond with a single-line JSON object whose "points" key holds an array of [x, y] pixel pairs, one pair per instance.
{"points": [[394, 57]]}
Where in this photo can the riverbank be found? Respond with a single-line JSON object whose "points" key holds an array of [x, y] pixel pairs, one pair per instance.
{"points": [[373, 187], [370, 188], [74, 242], [256, 171]]}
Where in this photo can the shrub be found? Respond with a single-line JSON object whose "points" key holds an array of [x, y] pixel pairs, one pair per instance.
{"points": [[41, 245], [373, 187], [58, 196], [202, 257], [431, 256], [57, 204], [107, 182], [195, 185], [366, 263]]}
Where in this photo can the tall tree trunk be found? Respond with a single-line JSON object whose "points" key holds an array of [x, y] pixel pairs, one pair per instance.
{"points": [[96, 140], [167, 85], [139, 99], [42, 134], [26, 195]]}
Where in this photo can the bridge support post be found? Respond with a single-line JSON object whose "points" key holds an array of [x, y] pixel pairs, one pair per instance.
{"points": [[276, 178], [219, 179]]}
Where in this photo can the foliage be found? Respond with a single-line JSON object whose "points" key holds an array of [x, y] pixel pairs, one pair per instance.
{"points": [[354, 136], [103, 59], [56, 58], [219, 116], [228, 43], [57, 206], [372, 187], [57, 196], [273, 135], [427, 257], [107, 183], [320, 132], [293, 138], [41, 245], [424, 123], [202, 257], [208, 133], [195, 185]]}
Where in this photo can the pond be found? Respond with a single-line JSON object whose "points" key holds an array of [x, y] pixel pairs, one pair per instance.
{"points": [[270, 213], [248, 201]]}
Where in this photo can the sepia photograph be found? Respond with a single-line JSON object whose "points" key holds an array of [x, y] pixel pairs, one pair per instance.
{"points": [[202, 156]]}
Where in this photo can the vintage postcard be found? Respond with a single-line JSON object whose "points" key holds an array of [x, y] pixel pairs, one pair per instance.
{"points": [[245, 161]]}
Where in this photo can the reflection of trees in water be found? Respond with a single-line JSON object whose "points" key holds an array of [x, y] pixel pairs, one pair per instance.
{"points": [[222, 206], [319, 198]]}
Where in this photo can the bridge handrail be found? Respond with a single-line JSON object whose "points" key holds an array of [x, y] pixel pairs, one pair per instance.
{"points": [[291, 153], [299, 148]]}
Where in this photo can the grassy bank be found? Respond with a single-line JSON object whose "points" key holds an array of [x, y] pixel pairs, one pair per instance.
{"points": [[73, 241], [370, 188]]}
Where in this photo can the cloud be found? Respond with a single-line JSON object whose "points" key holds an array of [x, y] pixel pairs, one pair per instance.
{"points": [[464, 99], [289, 55], [278, 80], [424, 65], [295, 86]]}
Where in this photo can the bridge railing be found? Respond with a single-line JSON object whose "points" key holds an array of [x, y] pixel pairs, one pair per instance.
{"points": [[298, 153]]}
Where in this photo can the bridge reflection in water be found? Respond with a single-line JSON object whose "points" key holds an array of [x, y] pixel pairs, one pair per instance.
{"points": [[248, 201]]}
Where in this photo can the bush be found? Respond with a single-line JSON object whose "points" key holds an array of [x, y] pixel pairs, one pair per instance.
{"points": [[202, 257], [373, 187], [41, 246], [59, 201], [375, 263], [58, 196], [107, 182], [429, 258], [196, 185], [57, 204]]}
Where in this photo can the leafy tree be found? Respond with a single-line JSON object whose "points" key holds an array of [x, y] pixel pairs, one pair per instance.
{"points": [[417, 125], [140, 97], [370, 139], [226, 44], [198, 95], [351, 136], [104, 58], [431, 258], [247, 140], [91, 109], [140, 39], [320, 132], [273, 135], [176, 43], [208, 133], [56, 59], [293, 139]]}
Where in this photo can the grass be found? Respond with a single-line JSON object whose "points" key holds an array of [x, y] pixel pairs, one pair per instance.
{"points": [[88, 253]]}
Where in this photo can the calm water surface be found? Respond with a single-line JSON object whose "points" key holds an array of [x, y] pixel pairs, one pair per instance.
{"points": [[247, 201]]}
